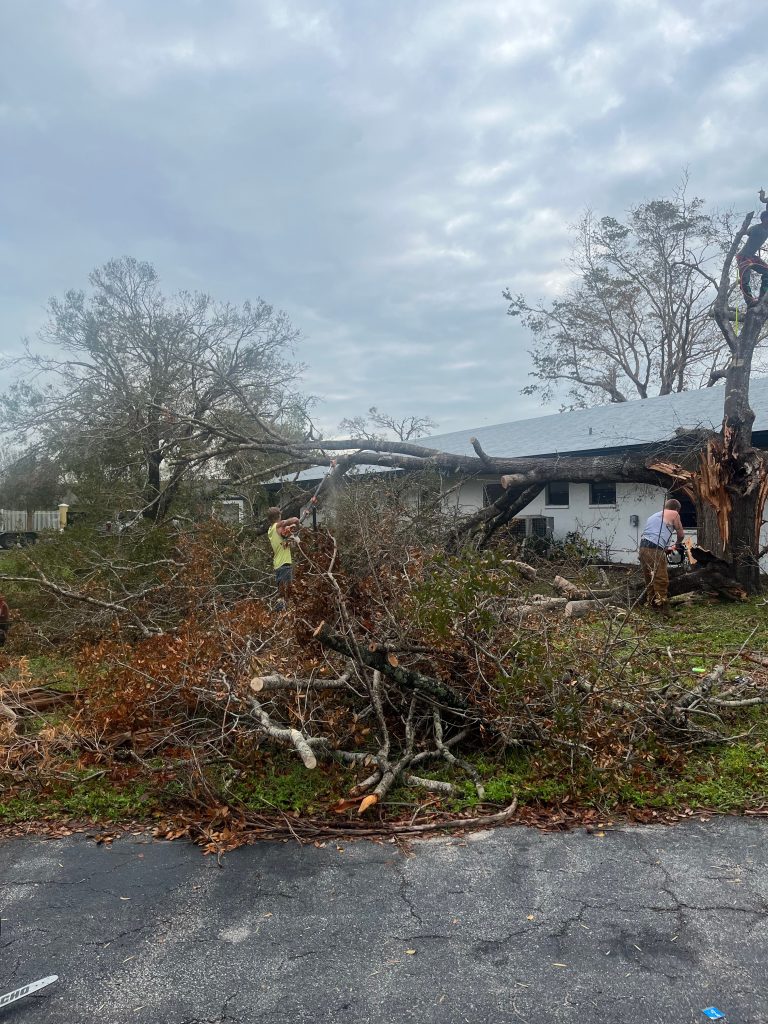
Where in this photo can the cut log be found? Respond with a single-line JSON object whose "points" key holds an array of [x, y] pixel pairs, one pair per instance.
{"points": [[576, 593], [571, 591], [275, 681], [578, 609], [525, 570], [545, 607]]}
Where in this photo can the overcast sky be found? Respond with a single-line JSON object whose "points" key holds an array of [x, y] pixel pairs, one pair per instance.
{"points": [[381, 169]]}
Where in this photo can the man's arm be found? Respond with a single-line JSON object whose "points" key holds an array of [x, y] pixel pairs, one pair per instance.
{"points": [[678, 525], [285, 526]]}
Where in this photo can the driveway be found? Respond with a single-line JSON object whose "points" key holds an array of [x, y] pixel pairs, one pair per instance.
{"points": [[644, 924]]}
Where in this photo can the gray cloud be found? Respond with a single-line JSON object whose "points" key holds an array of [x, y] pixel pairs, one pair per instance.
{"points": [[381, 171]]}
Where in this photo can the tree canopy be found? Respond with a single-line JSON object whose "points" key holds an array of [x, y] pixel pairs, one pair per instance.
{"points": [[636, 321], [127, 381]]}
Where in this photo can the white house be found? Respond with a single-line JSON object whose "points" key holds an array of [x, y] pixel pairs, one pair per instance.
{"points": [[609, 515]]}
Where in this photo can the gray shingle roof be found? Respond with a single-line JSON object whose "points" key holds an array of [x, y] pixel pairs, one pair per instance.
{"points": [[626, 424]]}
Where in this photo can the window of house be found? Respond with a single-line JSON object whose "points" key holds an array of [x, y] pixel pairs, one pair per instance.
{"points": [[491, 493], [602, 494], [558, 493]]}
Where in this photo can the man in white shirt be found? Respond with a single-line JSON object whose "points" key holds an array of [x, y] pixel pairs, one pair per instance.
{"points": [[654, 543]]}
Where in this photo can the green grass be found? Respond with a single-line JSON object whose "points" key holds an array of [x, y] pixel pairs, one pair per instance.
{"points": [[282, 783], [719, 778], [95, 799], [54, 671], [727, 779], [721, 627]]}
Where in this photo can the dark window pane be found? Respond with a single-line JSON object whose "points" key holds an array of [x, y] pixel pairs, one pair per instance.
{"points": [[602, 494], [558, 492]]}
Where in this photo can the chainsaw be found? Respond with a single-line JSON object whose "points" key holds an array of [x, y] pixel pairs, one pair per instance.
{"points": [[677, 556]]}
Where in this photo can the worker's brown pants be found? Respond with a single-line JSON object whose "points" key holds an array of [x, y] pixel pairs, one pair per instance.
{"points": [[654, 564]]}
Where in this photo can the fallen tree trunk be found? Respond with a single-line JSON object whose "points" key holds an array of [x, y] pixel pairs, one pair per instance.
{"points": [[710, 574]]}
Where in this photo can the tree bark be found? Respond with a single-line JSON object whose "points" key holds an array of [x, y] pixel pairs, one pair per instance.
{"points": [[733, 476]]}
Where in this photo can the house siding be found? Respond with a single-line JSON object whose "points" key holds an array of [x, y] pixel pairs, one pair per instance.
{"points": [[606, 526]]}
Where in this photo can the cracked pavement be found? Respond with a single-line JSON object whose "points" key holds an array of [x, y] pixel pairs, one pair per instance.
{"points": [[647, 924]]}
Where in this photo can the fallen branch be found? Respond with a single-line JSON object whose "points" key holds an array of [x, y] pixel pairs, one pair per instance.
{"points": [[376, 657], [452, 759], [545, 607], [483, 819], [285, 735], [431, 785], [277, 682], [73, 595]]}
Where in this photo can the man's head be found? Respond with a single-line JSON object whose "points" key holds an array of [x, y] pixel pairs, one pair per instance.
{"points": [[673, 504], [274, 514]]}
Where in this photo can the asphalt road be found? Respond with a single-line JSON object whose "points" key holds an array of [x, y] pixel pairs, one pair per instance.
{"points": [[641, 925]]}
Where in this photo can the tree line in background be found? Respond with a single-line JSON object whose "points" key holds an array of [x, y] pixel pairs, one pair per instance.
{"points": [[133, 399]]}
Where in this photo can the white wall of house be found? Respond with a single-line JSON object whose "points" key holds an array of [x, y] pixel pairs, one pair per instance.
{"points": [[607, 526]]}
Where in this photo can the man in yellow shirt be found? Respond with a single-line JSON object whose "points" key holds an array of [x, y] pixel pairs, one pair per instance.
{"points": [[279, 534]]}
